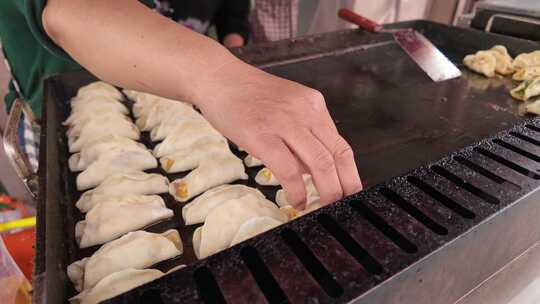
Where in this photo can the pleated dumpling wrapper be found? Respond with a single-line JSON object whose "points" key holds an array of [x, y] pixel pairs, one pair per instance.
{"points": [[186, 136], [144, 102], [253, 227], [162, 111], [110, 219], [197, 210], [190, 158], [82, 107], [93, 150], [251, 161], [173, 122], [504, 62], [211, 172], [103, 118], [527, 89], [533, 107], [138, 250], [265, 177], [312, 196], [136, 183], [112, 163], [91, 109], [224, 222], [482, 62], [96, 131], [99, 88], [115, 284], [527, 73], [527, 60]]}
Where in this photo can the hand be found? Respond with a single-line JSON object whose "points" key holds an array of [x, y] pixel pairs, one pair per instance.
{"points": [[286, 125], [233, 40]]}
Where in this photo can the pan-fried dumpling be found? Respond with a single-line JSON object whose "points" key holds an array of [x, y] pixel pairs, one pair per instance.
{"points": [[527, 89], [196, 211], [188, 159], [527, 73], [312, 196], [95, 109], [143, 101], [186, 135], [138, 250], [168, 125], [252, 161], [527, 60], [116, 284], [93, 150], [265, 177], [136, 183], [211, 172], [162, 111], [225, 220], [482, 62], [93, 132], [112, 163], [110, 219], [533, 107], [504, 63], [253, 227], [99, 88]]}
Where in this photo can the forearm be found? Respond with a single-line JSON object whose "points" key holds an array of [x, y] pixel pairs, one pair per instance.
{"points": [[127, 44]]}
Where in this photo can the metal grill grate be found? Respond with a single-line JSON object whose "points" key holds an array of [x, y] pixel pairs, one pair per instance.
{"points": [[338, 253]]}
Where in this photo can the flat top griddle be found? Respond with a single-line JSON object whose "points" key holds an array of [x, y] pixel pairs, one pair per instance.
{"points": [[385, 105], [397, 120]]}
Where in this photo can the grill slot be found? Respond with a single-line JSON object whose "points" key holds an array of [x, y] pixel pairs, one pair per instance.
{"points": [[151, 296], [207, 286], [469, 164], [443, 199], [413, 211], [352, 247], [525, 138], [312, 264], [267, 283], [389, 231], [533, 127], [517, 150], [465, 185], [510, 164]]}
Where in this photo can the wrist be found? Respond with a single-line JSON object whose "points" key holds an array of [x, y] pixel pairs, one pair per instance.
{"points": [[221, 82]]}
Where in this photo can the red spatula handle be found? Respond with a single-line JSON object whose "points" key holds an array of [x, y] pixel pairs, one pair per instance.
{"points": [[362, 22]]}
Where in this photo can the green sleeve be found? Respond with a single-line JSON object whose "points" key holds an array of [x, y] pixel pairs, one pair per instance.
{"points": [[33, 10]]}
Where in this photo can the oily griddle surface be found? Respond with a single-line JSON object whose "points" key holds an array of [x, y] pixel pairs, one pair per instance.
{"points": [[395, 117]]}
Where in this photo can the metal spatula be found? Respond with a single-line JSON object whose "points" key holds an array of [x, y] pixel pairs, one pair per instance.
{"points": [[416, 45]]}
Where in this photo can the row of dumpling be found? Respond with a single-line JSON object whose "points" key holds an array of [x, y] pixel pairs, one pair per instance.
{"points": [[230, 213], [525, 68], [122, 201], [188, 142]]}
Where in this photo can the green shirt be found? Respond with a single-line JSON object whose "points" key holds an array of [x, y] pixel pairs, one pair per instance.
{"points": [[30, 53]]}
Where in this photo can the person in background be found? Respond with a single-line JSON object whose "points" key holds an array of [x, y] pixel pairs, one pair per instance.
{"points": [[273, 20], [229, 17]]}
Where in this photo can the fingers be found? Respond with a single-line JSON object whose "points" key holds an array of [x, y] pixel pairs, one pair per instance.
{"points": [[287, 169], [342, 155], [318, 160]]}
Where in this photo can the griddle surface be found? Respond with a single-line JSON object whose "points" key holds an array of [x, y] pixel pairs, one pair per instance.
{"points": [[394, 116]]}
